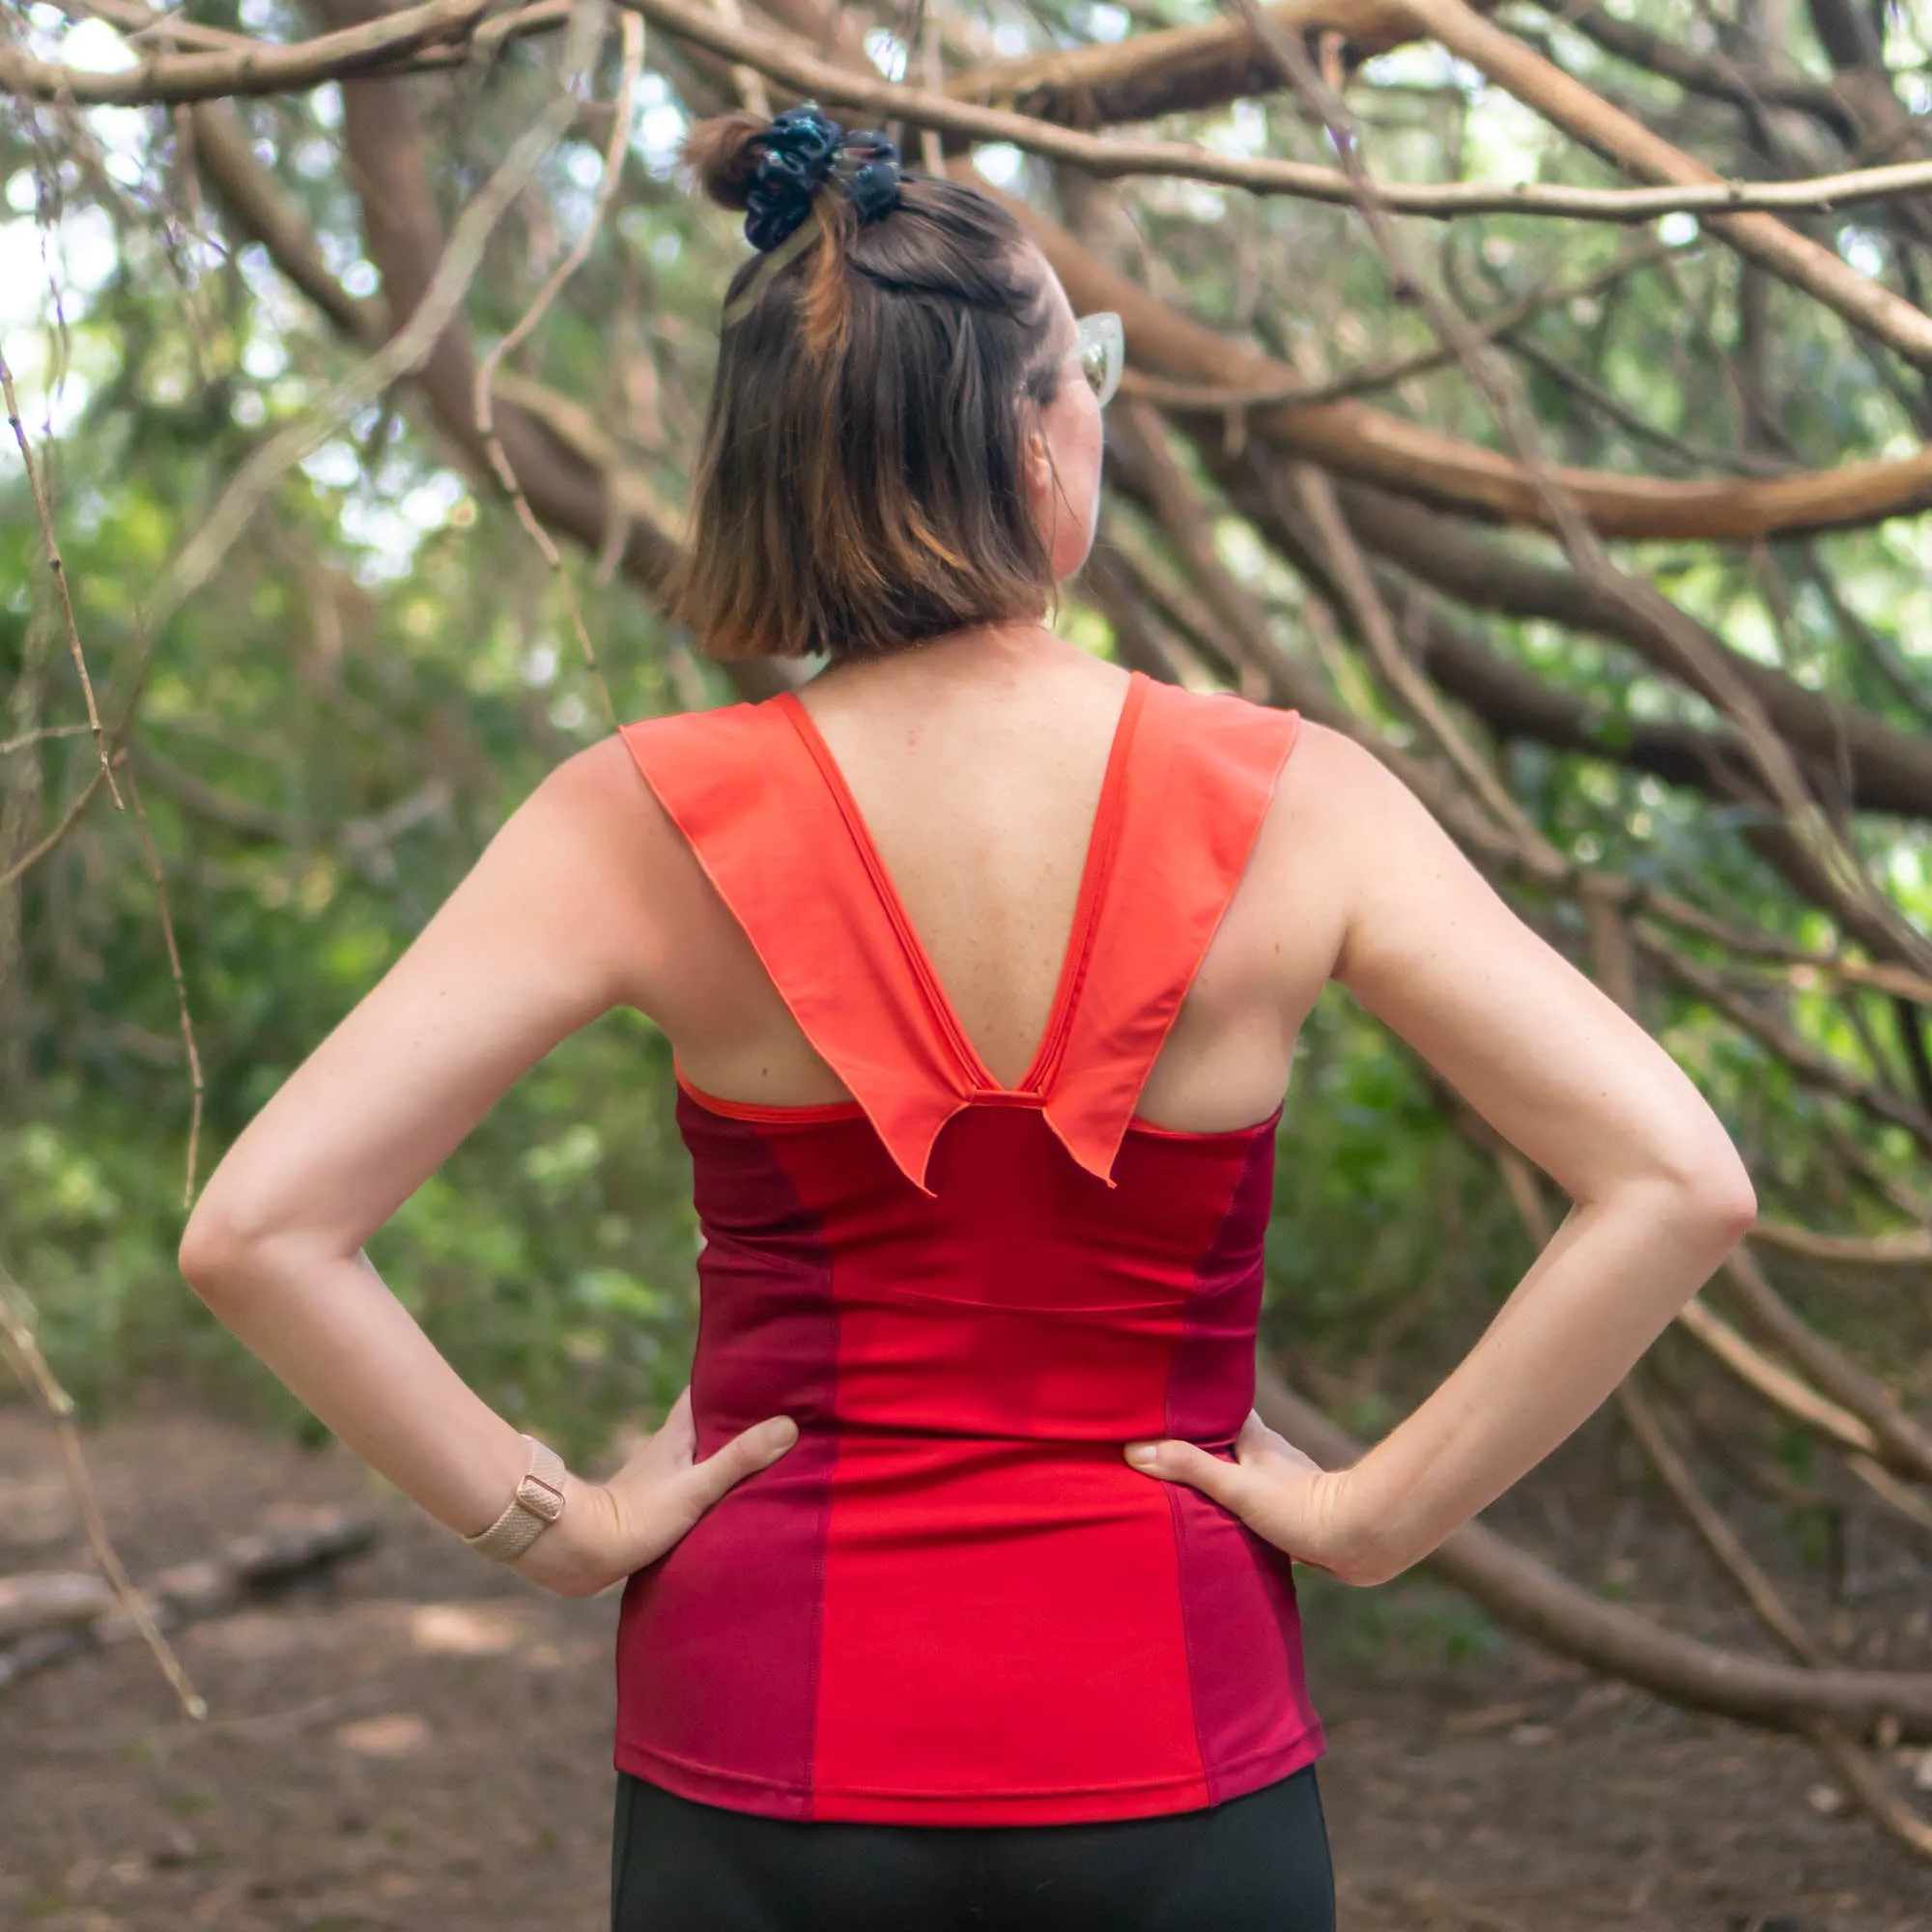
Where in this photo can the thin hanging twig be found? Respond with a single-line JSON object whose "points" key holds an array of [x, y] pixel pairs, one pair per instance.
{"points": [[57, 565], [23, 1356], [155, 873]]}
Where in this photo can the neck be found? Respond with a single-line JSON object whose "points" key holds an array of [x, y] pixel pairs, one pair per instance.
{"points": [[980, 654]]}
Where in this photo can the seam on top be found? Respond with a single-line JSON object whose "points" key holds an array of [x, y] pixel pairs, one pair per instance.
{"points": [[1188, 1649], [1211, 1775], [826, 1113], [809, 1112]]}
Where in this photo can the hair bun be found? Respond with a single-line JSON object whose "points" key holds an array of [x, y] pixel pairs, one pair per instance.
{"points": [[772, 169], [722, 155]]}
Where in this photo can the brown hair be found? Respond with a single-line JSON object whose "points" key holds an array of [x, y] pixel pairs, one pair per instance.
{"points": [[860, 485]]}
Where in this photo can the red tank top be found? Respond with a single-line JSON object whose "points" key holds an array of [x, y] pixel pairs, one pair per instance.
{"points": [[952, 1601]]}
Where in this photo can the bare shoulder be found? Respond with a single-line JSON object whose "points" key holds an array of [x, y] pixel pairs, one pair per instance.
{"points": [[596, 808], [602, 786], [1344, 806], [593, 849], [1342, 828], [1331, 779]]}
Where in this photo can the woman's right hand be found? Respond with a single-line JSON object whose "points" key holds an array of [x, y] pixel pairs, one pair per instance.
{"points": [[612, 1528], [1277, 1490]]}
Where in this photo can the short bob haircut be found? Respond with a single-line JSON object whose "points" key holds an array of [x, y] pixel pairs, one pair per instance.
{"points": [[861, 484]]}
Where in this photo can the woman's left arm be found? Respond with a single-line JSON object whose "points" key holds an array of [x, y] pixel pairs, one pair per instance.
{"points": [[553, 926]]}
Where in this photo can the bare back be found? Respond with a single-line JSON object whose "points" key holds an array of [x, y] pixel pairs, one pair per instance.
{"points": [[979, 782]]}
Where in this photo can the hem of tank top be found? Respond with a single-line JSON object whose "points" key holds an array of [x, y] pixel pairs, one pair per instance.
{"points": [[1308, 1745], [814, 1113]]}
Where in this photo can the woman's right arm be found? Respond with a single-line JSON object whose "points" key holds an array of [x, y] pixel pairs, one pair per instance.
{"points": [[576, 905], [1659, 1192]]}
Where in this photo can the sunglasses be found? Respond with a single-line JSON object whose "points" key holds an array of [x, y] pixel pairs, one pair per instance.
{"points": [[1102, 349]]}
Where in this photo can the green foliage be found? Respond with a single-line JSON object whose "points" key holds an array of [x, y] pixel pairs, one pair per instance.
{"points": [[1390, 1242], [322, 686], [1411, 1624]]}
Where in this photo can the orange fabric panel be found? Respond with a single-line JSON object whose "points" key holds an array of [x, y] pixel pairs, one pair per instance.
{"points": [[743, 789], [1203, 776]]}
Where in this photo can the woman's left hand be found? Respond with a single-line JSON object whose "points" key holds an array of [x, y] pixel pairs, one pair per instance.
{"points": [[609, 1529], [1277, 1490]]}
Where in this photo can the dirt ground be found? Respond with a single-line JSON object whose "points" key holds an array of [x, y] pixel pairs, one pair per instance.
{"points": [[418, 1739]]}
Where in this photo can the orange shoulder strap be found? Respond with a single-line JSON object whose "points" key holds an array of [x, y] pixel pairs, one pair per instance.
{"points": [[1199, 785], [742, 786]]}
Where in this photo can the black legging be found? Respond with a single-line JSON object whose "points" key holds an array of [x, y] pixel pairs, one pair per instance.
{"points": [[1259, 1862]]}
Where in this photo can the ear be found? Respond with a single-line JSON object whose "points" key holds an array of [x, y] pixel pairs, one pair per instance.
{"points": [[1038, 458], [1042, 483]]}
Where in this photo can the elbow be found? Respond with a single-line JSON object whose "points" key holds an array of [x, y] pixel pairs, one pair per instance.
{"points": [[1737, 1209], [1717, 1202], [219, 1251], [208, 1251], [235, 1246], [1698, 1202], [1366, 1572], [1725, 1197]]}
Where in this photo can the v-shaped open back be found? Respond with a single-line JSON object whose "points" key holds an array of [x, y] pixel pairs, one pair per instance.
{"points": [[757, 794], [1096, 869]]}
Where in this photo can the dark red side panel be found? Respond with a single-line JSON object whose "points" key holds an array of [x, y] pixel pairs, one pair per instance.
{"points": [[717, 1642]]}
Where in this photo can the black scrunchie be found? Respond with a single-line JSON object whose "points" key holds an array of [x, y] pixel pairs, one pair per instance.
{"points": [[869, 168], [797, 153]]}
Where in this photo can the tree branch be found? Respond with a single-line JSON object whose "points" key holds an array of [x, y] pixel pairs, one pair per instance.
{"points": [[1530, 1598], [1567, 103], [239, 73]]}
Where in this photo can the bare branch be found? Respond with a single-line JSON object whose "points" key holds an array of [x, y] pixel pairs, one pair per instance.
{"points": [[155, 873], [1717, 1535], [1569, 104], [633, 32], [1715, 76], [65, 824], [198, 558], [1907, 1247], [1528, 1597], [1383, 375], [1410, 459], [1891, 770], [260, 69], [1814, 1066], [1903, 1445], [1111, 158]]}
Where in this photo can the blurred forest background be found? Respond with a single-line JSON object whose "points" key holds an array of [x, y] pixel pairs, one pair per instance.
{"points": [[1467, 410]]}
